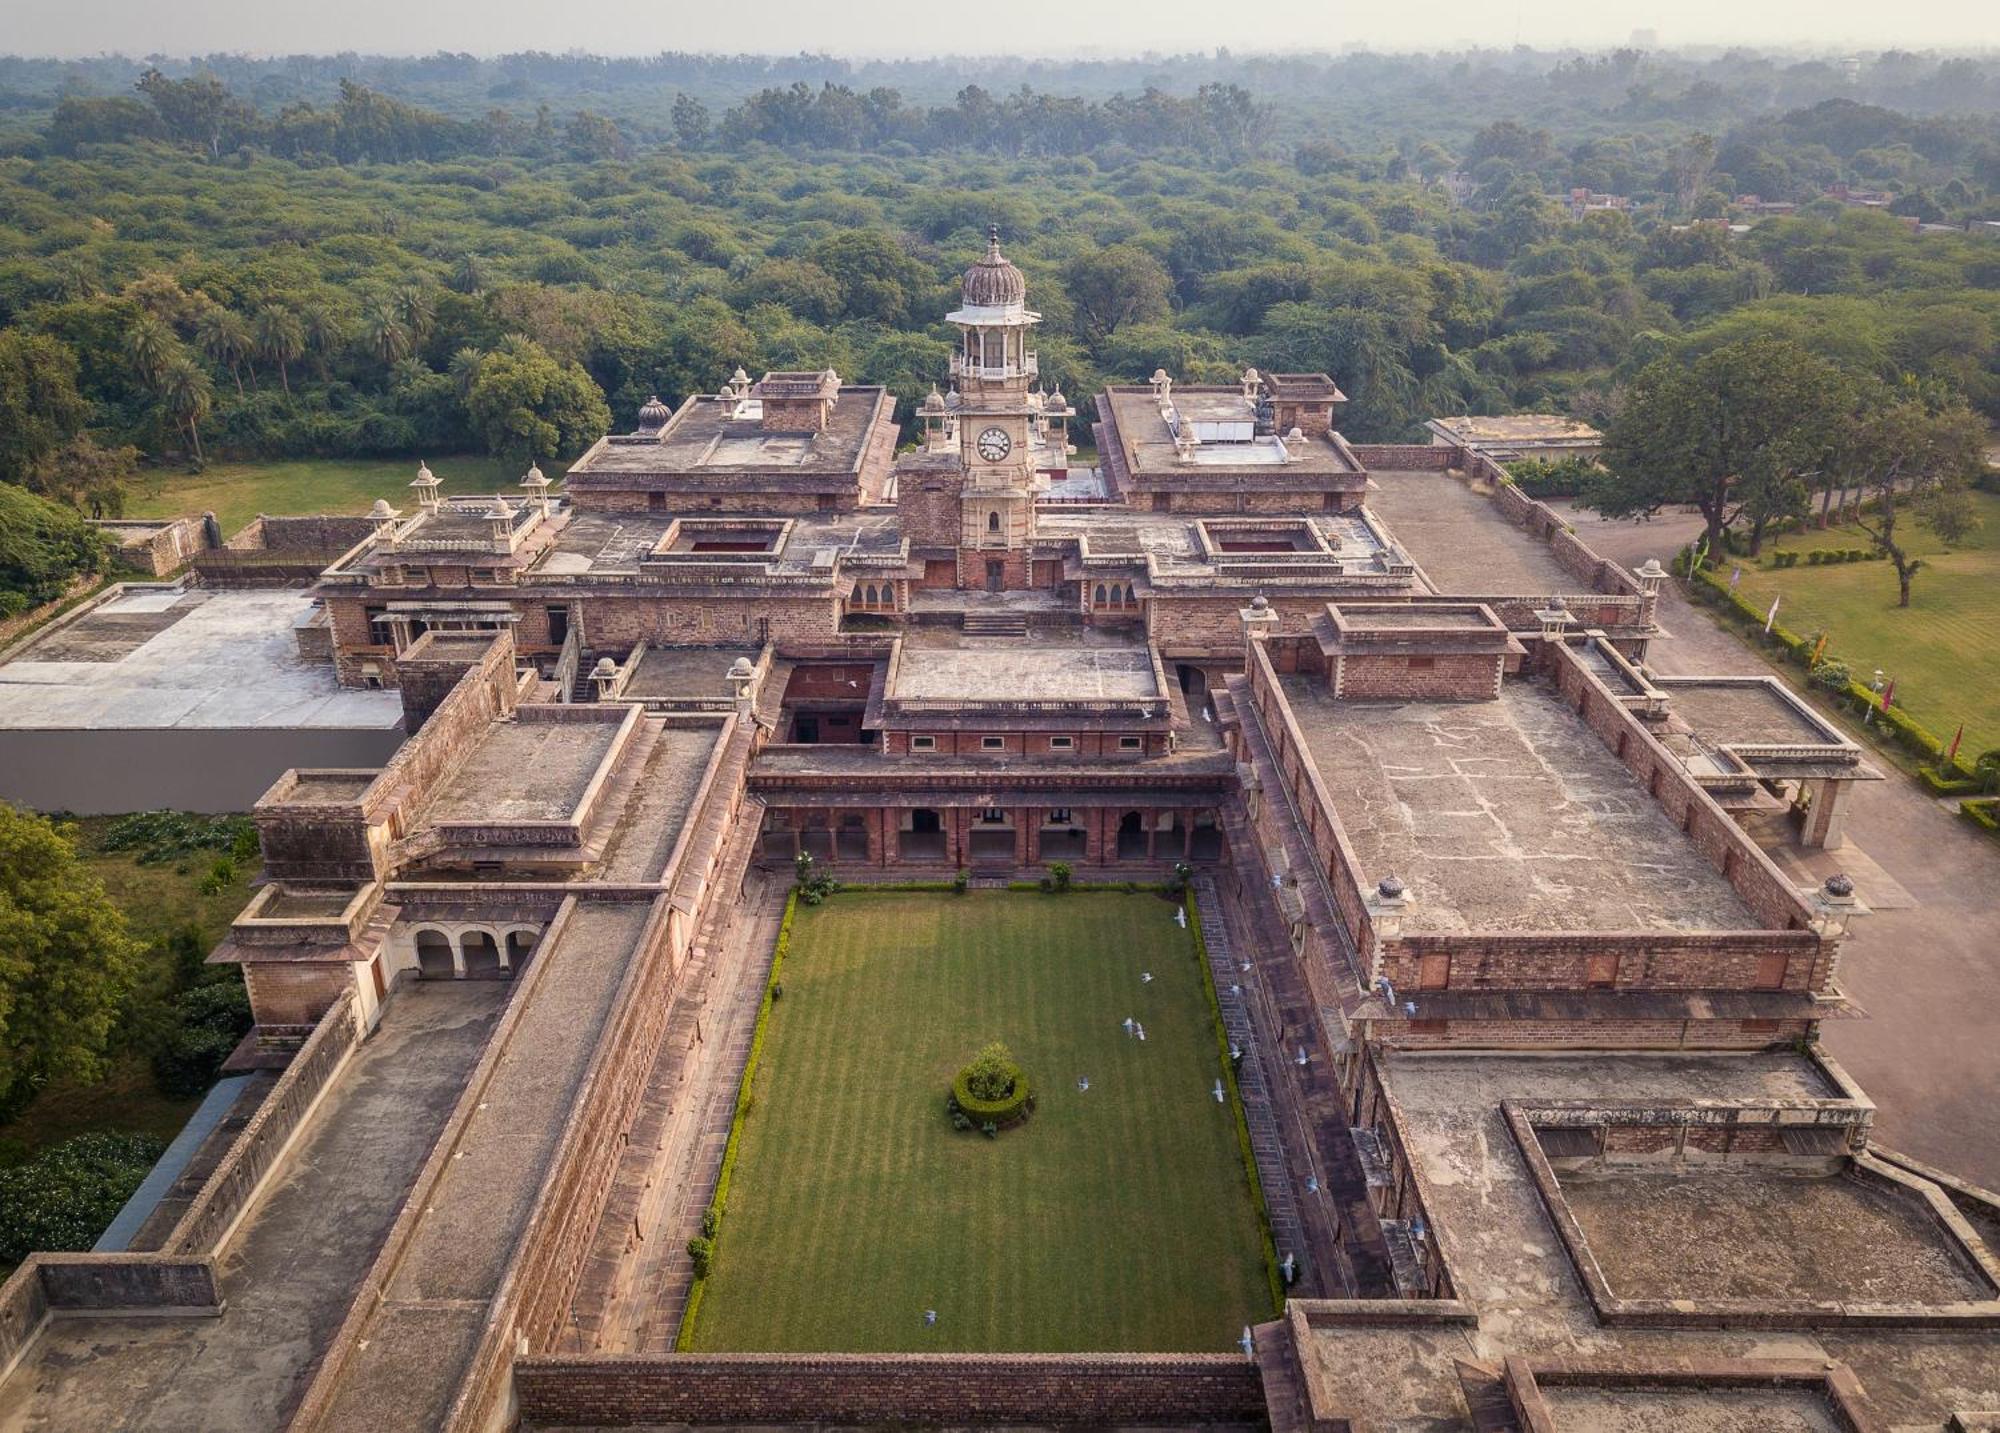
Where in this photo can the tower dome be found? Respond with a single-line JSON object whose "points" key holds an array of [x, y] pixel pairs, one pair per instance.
{"points": [[653, 415], [993, 282]]}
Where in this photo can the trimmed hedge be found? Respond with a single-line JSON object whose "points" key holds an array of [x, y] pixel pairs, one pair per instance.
{"points": [[1002, 1112], [1983, 813], [711, 1219], [1243, 1148]]}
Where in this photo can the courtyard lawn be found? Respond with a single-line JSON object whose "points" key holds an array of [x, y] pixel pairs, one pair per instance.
{"points": [[237, 492], [1118, 1218], [1943, 650]]}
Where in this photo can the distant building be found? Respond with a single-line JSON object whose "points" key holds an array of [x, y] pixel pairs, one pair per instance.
{"points": [[1519, 435]]}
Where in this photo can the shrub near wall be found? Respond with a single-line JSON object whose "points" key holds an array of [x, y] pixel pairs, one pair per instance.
{"points": [[703, 1250]]}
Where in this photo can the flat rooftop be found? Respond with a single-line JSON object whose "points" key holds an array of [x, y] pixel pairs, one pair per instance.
{"points": [[1039, 668], [1700, 1410], [1726, 712], [169, 659], [1461, 540], [1479, 430], [1148, 440], [524, 771], [1750, 1233], [290, 1270], [659, 805], [685, 674], [1171, 544], [1508, 816], [436, 1300], [594, 542], [725, 435], [1509, 1265]]}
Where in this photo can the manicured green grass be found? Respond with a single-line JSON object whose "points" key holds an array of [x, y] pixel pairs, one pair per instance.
{"points": [[1115, 1218], [237, 492], [1943, 650]]}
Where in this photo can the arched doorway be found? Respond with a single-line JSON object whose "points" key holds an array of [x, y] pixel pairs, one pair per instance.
{"points": [[520, 946], [434, 960], [923, 840], [1131, 837], [482, 955]]}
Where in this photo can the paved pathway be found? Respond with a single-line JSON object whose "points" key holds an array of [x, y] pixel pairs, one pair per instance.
{"points": [[1927, 974]]}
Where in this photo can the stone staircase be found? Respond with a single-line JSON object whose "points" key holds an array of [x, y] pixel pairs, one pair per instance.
{"points": [[1253, 1083], [1284, 1386], [994, 624]]}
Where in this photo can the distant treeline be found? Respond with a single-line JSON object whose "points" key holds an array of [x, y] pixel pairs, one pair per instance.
{"points": [[364, 125]]}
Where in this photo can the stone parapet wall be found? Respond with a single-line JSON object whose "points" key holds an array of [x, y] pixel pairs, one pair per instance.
{"points": [[230, 1189], [1409, 457], [901, 1389], [49, 1285], [1754, 876]]}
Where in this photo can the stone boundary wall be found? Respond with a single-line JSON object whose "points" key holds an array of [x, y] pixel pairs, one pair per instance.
{"points": [[233, 1186], [422, 763], [1754, 876], [154, 548], [534, 1296], [48, 1286], [901, 1389], [1404, 1197], [314, 533], [318, 1399], [1410, 457], [1314, 803], [1614, 1311], [556, 1238]]}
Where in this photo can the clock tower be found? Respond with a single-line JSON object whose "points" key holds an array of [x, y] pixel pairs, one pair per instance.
{"points": [[995, 412]]}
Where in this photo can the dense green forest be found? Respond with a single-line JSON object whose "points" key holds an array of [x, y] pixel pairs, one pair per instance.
{"points": [[346, 257]]}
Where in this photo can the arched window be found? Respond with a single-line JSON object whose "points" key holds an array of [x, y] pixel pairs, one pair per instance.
{"points": [[993, 522], [1100, 594]]}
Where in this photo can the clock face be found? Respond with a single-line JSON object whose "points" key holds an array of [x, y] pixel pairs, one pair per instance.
{"points": [[994, 444]]}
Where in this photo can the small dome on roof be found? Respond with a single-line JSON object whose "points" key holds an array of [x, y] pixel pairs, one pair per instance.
{"points": [[933, 401], [497, 506], [605, 668], [1259, 603], [653, 413], [1839, 884], [994, 282], [381, 509], [741, 668], [534, 477], [1390, 888], [425, 477]]}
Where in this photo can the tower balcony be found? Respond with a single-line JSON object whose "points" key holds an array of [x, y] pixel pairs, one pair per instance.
{"points": [[963, 368]]}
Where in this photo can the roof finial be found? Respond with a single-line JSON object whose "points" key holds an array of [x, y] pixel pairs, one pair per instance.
{"points": [[993, 240]]}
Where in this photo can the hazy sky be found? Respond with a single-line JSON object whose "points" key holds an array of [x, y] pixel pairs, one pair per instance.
{"points": [[902, 27]]}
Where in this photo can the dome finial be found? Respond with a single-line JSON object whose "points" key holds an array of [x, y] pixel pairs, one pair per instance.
{"points": [[993, 239]]}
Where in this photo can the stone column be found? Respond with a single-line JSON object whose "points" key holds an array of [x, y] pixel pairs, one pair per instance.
{"points": [[1187, 837], [1826, 818], [1152, 820]]}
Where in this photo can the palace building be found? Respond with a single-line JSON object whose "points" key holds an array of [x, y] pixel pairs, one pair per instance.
{"points": [[1527, 1004]]}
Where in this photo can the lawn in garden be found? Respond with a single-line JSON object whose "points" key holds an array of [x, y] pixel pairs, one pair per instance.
{"points": [[1116, 1218], [1943, 650], [237, 492]]}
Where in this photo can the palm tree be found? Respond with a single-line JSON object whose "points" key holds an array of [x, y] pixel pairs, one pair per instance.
{"points": [[189, 396], [281, 338], [468, 275], [151, 344], [387, 337], [464, 370], [324, 335], [417, 307], [225, 338]]}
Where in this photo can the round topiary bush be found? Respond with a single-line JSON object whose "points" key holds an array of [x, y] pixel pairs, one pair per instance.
{"points": [[992, 1090]]}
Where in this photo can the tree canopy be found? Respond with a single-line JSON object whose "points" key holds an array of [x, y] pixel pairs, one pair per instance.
{"points": [[66, 960]]}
